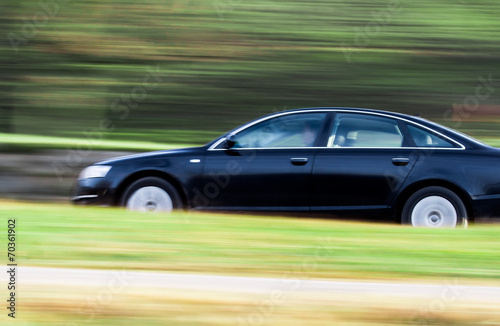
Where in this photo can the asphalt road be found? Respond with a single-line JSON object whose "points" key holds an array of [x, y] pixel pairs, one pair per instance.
{"points": [[288, 283]]}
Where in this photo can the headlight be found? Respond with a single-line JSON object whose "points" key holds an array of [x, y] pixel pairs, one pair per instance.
{"points": [[94, 171]]}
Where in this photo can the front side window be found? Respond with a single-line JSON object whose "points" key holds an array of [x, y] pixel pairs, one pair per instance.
{"points": [[293, 130], [359, 130], [424, 138]]}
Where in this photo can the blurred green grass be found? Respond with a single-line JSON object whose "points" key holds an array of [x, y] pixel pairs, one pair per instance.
{"points": [[26, 143], [228, 244]]}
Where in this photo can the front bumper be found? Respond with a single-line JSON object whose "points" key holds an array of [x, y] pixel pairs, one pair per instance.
{"points": [[96, 191]]}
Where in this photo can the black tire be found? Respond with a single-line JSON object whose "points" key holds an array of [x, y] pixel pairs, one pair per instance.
{"points": [[430, 207], [157, 197]]}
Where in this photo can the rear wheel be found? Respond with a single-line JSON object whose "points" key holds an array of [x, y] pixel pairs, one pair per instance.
{"points": [[434, 207], [151, 194]]}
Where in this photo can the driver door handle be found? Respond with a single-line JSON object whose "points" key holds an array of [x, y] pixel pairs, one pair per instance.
{"points": [[400, 161], [299, 160]]}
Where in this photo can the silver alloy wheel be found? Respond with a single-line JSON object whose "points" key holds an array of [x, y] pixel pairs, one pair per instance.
{"points": [[434, 211], [150, 199]]}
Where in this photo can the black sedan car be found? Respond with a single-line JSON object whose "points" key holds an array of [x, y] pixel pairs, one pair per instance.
{"points": [[328, 160]]}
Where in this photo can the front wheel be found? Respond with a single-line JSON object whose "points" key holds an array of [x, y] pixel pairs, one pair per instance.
{"points": [[434, 207], [151, 194]]}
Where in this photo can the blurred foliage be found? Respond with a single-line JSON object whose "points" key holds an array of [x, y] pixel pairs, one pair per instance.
{"points": [[221, 63]]}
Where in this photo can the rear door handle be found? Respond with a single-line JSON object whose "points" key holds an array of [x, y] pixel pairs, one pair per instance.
{"points": [[400, 161], [299, 160]]}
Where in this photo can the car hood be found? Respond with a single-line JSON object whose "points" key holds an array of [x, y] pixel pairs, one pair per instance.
{"points": [[155, 154]]}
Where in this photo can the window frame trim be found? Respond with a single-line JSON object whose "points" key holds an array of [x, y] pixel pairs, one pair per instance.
{"points": [[399, 124], [431, 132], [333, 116]]}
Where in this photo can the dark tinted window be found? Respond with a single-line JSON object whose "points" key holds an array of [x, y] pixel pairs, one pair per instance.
{"points": [[359, 130], [293, 130], [425, 138]]}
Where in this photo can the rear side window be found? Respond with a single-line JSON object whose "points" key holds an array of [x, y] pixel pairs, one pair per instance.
{"points": [[358, 130], [425, 138]]}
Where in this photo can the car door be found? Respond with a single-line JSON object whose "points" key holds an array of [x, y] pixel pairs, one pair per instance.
{"points": [[268, 168], [366, 161]]}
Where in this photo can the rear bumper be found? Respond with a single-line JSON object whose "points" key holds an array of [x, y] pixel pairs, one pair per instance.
{"points": [[486, 206]]}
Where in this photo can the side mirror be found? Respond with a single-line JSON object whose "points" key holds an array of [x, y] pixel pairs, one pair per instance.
{"points": [[230, 141]]}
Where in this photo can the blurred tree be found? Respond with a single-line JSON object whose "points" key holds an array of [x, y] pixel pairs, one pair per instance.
{"points": [[225, 62], [7, 66]]}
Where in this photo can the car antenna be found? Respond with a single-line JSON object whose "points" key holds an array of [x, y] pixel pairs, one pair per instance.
{"points": [[418, 115]]}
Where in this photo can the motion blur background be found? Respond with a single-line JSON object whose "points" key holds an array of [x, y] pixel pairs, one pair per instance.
{"points": [[85, 80], [123, 75]]}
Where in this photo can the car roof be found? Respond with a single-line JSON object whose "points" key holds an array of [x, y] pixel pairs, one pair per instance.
{"points": [[350, 109]]}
